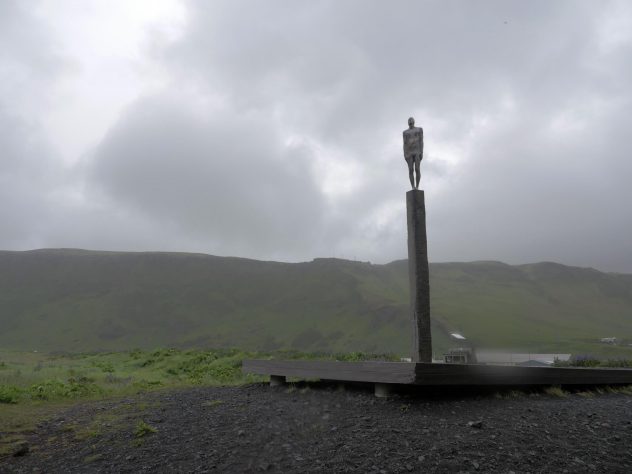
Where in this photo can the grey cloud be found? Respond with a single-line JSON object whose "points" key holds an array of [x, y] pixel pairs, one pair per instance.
{"points": [[346, 76], [27, 176], [30, 169], [359, 65], [227, 178], [526, 115], [29, 63]]}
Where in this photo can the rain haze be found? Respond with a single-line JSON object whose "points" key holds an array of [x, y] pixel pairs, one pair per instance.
{"points": [[273, 130]]}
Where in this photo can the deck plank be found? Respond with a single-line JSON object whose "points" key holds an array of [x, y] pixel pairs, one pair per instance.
{"points": [[437, 374]]}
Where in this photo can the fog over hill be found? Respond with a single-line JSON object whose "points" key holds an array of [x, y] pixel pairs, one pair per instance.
{"points": [[78, 300]]}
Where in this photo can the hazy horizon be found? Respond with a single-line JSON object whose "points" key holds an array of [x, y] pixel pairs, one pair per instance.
{"points": [[349, 259]]}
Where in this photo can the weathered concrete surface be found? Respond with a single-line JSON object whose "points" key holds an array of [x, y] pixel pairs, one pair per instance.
{"points": [[419, 276]]}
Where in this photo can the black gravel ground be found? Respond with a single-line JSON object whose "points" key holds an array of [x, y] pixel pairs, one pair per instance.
{"points": [[257, 429]]}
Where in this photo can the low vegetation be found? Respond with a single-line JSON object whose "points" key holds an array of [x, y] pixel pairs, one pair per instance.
{"points": [[143, 429], [591, 361], [30, 377], [556, 391], [36, 386]]}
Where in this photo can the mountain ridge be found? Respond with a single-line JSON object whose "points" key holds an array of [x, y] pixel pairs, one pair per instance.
{"points": [[82, 300]]}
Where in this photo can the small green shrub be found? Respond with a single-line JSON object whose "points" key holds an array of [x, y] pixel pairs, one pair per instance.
{"points": [[135, 354], [143, 429], [163, 353], [93, 458], [363, 356], [83, 387], [590, 361], [9, 394], [586, 394], [75, 388], [586, 362], [145, 385], [626, 390], [617, 363], [556, 391], [147, 362], [48, 389], [105, 366], [225, 372], [3, 365]]}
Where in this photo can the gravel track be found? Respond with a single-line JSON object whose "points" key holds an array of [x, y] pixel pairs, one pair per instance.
{"points": [[257, 428]]}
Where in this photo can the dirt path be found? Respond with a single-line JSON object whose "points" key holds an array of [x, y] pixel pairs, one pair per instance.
{"points": [[257, 429]]}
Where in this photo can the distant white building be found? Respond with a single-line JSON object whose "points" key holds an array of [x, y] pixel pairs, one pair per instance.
{"points": [[608, 340]]}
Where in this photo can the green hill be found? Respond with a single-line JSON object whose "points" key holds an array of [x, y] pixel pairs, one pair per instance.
{"points": [[76, 300]]}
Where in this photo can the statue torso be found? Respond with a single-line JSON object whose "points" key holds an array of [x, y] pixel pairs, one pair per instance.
{"points": [[413, 141]]}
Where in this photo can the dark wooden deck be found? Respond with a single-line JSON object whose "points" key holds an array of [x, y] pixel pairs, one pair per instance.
{"points": [[437, 374]]}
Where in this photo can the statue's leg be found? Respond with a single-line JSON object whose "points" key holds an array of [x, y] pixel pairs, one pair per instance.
{"points": [[410, 174], [417, 171]]}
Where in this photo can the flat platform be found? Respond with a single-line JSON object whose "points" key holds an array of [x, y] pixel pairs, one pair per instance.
{"points": [[437, 374]]}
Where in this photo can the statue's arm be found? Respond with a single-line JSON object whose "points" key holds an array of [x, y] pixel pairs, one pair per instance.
{"points": [[422, 142], [404, 143]]}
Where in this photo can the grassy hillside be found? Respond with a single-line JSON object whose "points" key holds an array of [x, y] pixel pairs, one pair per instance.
{"points": [[75, 300]]}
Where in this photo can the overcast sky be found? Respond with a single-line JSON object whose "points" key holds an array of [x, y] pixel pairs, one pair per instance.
{"points": [[272, 129]]}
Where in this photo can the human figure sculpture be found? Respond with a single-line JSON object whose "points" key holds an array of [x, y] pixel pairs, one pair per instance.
{"points": [[413, 151]]}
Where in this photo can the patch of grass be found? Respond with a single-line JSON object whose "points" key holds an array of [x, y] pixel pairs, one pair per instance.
{"points": [[556, 391], [9, 443], [586, 394], [143, 429], [82, 387], [616, 390], [509, 395], [626, 390], [93, 458], [212, 403], [91, 432], [75, 376], [105, 366], [619, 389], [591, 361], [18, 419]]}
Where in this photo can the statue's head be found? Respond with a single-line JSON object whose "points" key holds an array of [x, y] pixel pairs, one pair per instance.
{"points": [[411, 122]]}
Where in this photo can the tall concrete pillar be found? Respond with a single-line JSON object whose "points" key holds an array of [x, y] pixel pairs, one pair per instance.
{"points": [[419, 276]]}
